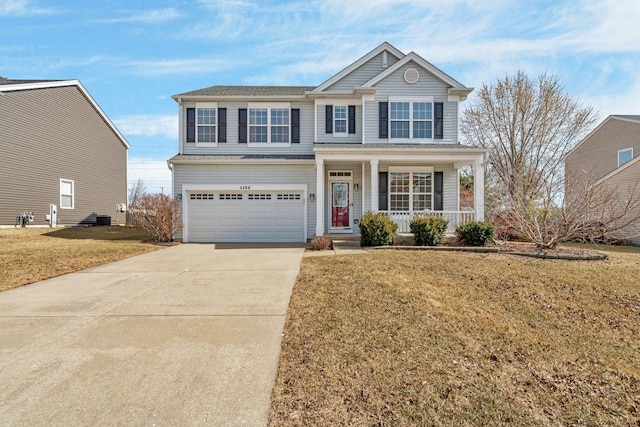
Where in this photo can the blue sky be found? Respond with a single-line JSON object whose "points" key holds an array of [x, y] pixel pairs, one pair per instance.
{"points": [[132, 56]]}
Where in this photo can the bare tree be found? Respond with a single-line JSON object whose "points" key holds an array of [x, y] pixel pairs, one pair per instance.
{"points": [[528, 127], [591, 211], [136, 191]]}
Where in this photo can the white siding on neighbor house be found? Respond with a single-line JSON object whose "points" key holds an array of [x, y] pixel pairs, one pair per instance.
{"points": [[324, 137], [248, 174], [363, 74], [233, 147]]}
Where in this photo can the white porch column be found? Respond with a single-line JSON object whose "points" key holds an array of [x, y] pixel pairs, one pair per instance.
{"points": [[374, 185], [319, 197], [478, 189]]}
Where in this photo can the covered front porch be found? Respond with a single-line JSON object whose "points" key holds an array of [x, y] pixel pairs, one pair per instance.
{"points": [[401, 179]]}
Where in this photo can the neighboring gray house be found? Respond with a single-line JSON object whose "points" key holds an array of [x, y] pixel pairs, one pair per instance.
{"points": [[58, 147], [610, 154], [290, 163]]}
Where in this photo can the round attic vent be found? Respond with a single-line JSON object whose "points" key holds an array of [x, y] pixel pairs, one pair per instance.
{"points": [[411, 76]]}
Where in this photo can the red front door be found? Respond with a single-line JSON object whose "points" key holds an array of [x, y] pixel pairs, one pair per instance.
{"points": [[340, 205]]}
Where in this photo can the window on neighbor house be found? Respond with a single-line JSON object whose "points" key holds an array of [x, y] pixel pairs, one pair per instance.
{"points": [[269, 125], [410, 191], [67, 194], [625, 156]]}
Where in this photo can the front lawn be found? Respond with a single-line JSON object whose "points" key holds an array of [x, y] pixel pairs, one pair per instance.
{"points": [[31, 254], [437, 338]]}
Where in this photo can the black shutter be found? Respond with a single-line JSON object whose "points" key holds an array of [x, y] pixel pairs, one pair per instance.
{"points": [[438, 123], [295, 125], [383, 191], [222, 125], [383, 113], [242, 125], [437, 191], [352, 119], [191, 125], [328, 119]]}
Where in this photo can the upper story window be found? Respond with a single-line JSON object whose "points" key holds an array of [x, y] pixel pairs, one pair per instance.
{"points": [[206, 124], [625, 156], [411, 119], [67, 190], [269, 124], [340, 120]]}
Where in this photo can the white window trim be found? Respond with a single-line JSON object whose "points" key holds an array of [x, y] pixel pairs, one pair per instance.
{"points": [[73, 193], [207, 105], [346, 120], [269, 106], [623, 151], [411, 100], [410, 170]]}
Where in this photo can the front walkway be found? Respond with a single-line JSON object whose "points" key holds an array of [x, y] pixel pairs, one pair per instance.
{"points": [[188, 335]]}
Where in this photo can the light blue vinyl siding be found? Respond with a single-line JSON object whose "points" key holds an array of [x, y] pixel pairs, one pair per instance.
{"points": [[233, 147], [363, 74]]}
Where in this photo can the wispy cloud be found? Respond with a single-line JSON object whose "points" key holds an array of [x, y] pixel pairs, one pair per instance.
{"points": [[158, 16], [22, 8], [178, 66], [165, 125]]}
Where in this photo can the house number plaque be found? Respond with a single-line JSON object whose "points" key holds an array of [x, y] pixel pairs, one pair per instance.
{"points": [[245, 187]]}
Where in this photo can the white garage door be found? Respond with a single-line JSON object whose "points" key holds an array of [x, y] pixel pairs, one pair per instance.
{"points": [[230, 216]]}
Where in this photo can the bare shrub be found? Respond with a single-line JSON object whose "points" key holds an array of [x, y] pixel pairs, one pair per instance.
{"points": [[320, 243], [159, 215]]}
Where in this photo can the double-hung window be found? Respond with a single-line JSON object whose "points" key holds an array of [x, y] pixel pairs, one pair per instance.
{"points": [[340, 120], [269, 124], [67, 190], [411, 119], [410, 190], [206, 124]]}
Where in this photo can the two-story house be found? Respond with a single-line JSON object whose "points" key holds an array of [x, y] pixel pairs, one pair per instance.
{"points": [[290, 163], [610, 156], [61, 155]]}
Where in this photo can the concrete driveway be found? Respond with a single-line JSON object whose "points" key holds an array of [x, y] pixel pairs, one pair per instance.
{"points": [[187, 335]]}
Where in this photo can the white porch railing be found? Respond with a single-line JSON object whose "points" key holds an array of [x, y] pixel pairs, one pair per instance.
{"points": [[455, 218]]}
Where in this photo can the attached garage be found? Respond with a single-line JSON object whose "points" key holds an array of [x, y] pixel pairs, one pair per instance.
{"points": [[246, 215]]}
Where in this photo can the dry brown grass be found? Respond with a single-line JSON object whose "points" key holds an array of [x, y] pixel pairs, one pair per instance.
{"points": [[434, 338], [31, 254]]}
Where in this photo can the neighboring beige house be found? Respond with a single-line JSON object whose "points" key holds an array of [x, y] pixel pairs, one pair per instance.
{"points": [[611, 155], [58, 148], [286, 163]]}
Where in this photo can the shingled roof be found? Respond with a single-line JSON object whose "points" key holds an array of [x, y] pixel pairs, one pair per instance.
{"points": [[249, 91]]}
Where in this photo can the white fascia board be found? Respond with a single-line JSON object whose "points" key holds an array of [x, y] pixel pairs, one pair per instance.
{"points": [[337, 77], [406, 156], [187, 188], [64, 83], [422, 63], [256, 98]]}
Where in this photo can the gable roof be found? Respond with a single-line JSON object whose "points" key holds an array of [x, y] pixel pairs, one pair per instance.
{"points": [[627, 118], [412, 56], [375, 52], [7, 85], [616, 171]]}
